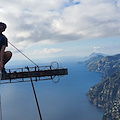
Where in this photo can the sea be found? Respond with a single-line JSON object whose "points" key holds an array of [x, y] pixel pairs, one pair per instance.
{"points": [[65, 100]]}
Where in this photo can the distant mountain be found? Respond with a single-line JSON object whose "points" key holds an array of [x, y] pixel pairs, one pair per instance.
{"points": [[95, 58], [107, 65], [106, 94], [95, 54], [90, 56]]}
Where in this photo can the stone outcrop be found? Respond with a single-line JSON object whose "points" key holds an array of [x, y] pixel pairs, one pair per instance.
{"points": [[106, 94], [106, 65]]}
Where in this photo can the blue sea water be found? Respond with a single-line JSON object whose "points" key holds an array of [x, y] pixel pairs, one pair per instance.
{"points": [[65, 100]]}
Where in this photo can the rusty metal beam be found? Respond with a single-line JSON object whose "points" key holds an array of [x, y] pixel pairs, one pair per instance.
{"points": [[22, 75]]}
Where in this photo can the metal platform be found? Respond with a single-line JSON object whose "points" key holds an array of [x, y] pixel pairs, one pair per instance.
{"points": [[39, 73]]}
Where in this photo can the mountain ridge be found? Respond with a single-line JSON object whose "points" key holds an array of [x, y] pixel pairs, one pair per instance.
{"points": [[106, 65], [83, 59], [106, 94]]}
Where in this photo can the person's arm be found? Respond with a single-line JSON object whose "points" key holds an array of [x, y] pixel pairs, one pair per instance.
{"points": [[2, 56]]}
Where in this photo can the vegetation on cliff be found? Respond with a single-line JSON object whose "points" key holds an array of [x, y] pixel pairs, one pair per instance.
{"points": [[107, 65], [106, 94]]}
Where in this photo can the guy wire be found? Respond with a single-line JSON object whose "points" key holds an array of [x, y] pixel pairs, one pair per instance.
{"points": [[23, 54], [31, 79]]}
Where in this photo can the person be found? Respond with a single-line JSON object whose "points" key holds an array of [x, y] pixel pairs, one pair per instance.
{"points": [[5, 56]]}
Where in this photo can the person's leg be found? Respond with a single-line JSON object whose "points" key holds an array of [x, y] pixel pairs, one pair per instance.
{"points": [[7, 57]]}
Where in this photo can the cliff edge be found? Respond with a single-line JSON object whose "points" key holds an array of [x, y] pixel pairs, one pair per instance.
{"points": [[106, 94]]}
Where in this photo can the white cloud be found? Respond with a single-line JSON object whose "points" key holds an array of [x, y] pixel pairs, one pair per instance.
{"points": [[45, 53], [51, 50], [38, 21], [98, 48]]}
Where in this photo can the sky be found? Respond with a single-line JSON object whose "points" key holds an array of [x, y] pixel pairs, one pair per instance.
{"points": [[46, 29]]}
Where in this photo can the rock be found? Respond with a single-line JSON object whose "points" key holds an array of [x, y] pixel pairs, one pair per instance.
{"points": [[106, 94], [106, 65]]}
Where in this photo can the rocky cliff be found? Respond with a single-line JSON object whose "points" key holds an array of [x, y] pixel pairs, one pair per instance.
{"points": [[107, 65], [94, 58], [106, 94]]}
